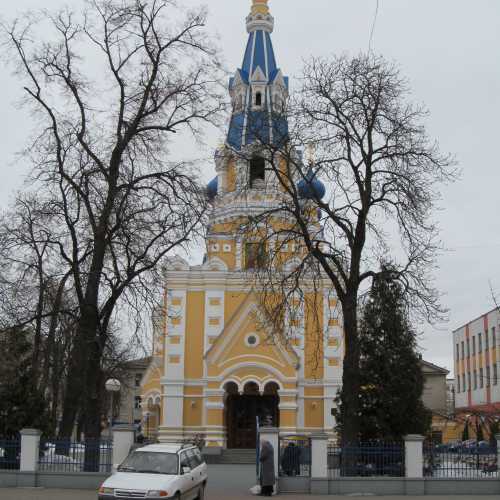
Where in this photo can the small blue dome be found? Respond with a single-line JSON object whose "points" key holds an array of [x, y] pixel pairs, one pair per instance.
{"points": [[212, 188], [311, 187]]}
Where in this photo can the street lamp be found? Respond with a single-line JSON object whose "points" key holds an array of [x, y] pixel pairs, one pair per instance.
{"points": [[113, 386]]}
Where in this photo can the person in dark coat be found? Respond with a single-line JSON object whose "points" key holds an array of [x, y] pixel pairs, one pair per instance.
{"points": [[290, 461], [267, 474]]}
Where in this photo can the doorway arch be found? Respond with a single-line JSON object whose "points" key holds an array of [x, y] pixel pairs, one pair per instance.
{"points": [[242, 407]]}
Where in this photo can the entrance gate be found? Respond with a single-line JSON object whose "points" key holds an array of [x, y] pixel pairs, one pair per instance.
{"points": [[243, 410]]}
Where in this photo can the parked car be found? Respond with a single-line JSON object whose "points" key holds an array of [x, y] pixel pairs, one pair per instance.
{"points": [[159, 471]]}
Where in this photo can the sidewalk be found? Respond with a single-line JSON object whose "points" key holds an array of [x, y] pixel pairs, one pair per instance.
{"points": [[212, 494]]}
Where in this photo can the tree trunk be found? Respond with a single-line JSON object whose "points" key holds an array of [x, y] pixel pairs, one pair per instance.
{"points": [[351, 376], [75, 386], [50, 342]]}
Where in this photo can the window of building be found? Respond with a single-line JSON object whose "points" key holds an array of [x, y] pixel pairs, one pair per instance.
{"points": [[137, 402], [493, 337], [255, 256], [479, 343], [468, 348], [258, 98], [486, 340], [495, 374], [458, 352], [475, 379], [464, 387], [463, 350], [257, 170], [488, 376], [473, 346], [138, 378], [469, 380], [481, 378], [458, 384]]}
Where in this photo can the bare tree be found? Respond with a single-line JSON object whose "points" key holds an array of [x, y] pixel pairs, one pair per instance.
{"points": [[102, 145], [382, 175]]}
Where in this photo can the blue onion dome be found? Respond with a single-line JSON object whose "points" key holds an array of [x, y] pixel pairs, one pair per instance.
{"points": [[311, 188], [212, 188]]}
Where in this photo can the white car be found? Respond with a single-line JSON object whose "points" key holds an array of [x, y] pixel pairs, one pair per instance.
{"points": [[158, 471]]}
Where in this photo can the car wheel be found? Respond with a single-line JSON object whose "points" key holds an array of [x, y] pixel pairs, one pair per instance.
{"points": [[177, 496], [201, 493]]}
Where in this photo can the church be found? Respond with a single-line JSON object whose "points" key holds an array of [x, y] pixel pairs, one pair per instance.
{"points": [[215, 372]]}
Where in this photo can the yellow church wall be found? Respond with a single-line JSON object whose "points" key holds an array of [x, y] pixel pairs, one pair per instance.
{"points": [[195, 318], [193, 412], [231, 176], [151, 381], [313, 391], [193, 391], [232, 301], [229, 258], [215, 417], [314, 413], [288, 418], [313, 349]]}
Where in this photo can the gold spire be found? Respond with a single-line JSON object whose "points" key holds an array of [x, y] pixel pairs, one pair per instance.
{"points": [[260, 7]]}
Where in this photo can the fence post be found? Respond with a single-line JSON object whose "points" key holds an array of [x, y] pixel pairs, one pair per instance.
{"points": [[123, 439], [319, 464], [30, 449], [497, 437], [414, 456], [271, 434]]}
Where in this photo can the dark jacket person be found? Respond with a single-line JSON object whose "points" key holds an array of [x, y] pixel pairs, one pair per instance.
{"points": [[291, 460], [267, 474]]}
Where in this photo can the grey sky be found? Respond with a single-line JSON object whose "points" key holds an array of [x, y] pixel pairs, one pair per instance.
{"points": [[449, 51]]}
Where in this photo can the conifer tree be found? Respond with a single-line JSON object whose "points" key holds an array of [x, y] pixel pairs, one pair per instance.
{"points": [[391, 374], [21, 402]]}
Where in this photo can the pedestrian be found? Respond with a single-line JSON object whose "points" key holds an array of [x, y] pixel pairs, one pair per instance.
{"points": [[267, 475], [291, 460]]}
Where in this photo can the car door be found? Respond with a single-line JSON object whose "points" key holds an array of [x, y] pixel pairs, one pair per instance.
{"points": [[188, 484], [201, 467]]}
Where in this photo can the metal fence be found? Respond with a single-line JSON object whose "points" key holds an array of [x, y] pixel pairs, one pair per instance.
{"points": [[295, 456], [460, 461], [367, 459], [10, 454], [65, 455]]}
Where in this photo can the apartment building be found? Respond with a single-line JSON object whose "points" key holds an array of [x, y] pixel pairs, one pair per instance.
{"points": [[475, 347]]}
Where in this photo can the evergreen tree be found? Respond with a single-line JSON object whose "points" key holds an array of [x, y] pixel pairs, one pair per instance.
{"points": [[391, 374], [21, 403], [465, 432]]}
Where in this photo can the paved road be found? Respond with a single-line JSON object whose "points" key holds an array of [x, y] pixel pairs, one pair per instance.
{"points": [[41, 494], [227, 482]]}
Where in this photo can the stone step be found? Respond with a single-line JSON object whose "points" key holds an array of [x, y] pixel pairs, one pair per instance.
{"points": [[236, 456]]}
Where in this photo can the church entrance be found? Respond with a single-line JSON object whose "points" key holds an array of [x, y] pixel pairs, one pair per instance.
{"points": [[242, 411]]}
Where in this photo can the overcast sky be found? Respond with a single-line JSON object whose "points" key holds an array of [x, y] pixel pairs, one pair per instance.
{"points": [[448, 49]]}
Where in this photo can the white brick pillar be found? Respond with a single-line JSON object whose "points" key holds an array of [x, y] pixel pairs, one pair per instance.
{"points": [[414, 456], [123, 439], [271, 434], [319, 456], [30, 449]]}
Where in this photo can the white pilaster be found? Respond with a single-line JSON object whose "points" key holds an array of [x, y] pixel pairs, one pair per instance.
{"points": [[30, 446], [123, 439], [414, 456], [319, 456]]}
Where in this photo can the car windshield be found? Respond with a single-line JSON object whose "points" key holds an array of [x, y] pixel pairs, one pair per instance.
{"points": [[150, 462]]}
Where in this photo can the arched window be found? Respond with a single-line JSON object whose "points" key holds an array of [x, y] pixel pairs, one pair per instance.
{"points": [[258, 99], [257, 170]]}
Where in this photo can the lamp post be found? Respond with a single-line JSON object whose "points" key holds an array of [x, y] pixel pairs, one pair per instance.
{"points": [[113, 386]]}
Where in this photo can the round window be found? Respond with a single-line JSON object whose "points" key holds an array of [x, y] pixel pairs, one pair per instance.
{"points": [[252, 340]]}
